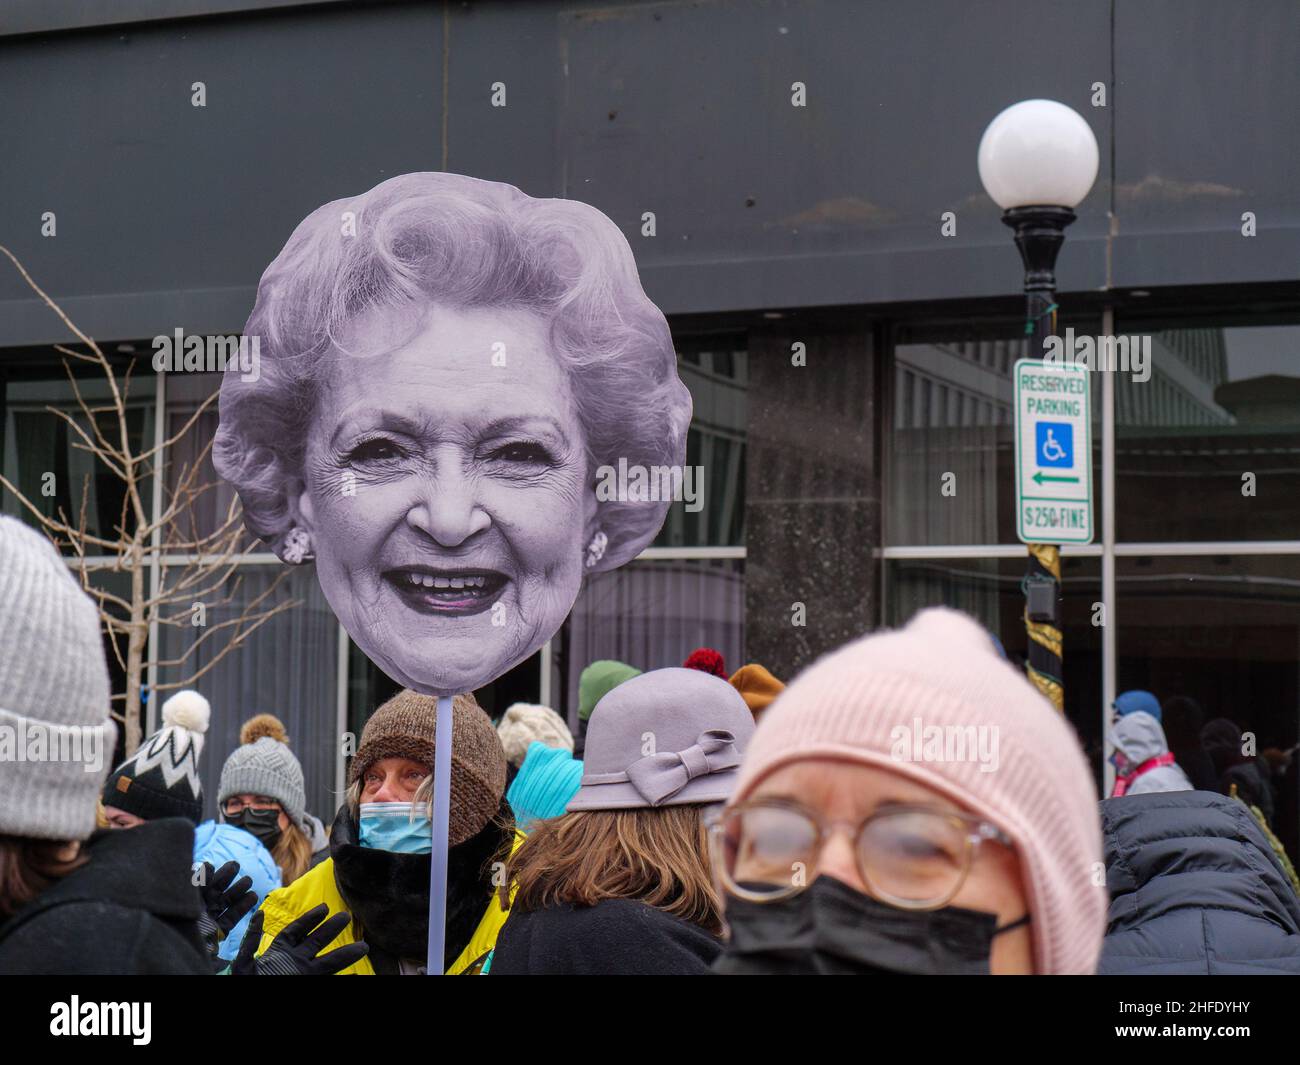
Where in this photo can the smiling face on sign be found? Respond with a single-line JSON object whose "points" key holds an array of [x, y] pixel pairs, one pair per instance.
{"points": [[450, 369], [446, 497]]}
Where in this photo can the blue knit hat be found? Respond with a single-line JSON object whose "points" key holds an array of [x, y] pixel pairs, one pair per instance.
{"points": [[546, 781], [1135, 701]]}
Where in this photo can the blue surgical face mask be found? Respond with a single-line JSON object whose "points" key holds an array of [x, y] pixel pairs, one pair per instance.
{"points": [[390, 826]]}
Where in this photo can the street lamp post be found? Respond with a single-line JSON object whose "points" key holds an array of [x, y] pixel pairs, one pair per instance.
{"points": [[1038, 159]]}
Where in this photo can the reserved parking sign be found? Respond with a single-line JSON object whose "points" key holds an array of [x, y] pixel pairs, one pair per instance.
{"points": [[1053, 453]]}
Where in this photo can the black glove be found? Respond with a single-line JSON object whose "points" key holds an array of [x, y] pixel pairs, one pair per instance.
{"points": [[296, 951], [224, 902]]}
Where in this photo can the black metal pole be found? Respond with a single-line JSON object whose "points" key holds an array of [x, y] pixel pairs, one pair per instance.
{"points": [[1040, 232]]}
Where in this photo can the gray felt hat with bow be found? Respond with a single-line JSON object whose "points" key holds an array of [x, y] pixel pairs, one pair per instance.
{"points": [[670, 737]]}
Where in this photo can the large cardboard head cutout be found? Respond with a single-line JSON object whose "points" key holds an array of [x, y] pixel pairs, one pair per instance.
{"points": [[464, 403]]}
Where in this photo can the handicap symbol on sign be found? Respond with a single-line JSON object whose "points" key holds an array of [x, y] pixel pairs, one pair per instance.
{"points": [[1054, 444]]}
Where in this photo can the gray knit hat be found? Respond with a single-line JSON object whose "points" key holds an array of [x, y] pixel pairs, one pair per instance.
{"points": [[56, 735], [670, 737], [264, 765]]}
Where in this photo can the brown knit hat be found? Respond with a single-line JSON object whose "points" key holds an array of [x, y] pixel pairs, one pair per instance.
{"points": [[757, 686], [404, 728]]}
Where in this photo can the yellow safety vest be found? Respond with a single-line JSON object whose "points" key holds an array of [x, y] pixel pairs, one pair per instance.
{"points": [[317, 885]]}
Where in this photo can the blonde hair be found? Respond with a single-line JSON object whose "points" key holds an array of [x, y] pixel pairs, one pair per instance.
{"points": [[292, 853], [655, 856]]}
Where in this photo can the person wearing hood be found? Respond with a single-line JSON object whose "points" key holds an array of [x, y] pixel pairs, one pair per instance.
{"points": [[910, 804], [1136, 700], [74, 900], [619, 884], [1143, 761], [1194, 890], [162, 780], [380, 845], [1239, 774], [262, 791]]}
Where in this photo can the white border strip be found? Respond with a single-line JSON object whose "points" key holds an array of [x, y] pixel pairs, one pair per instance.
{"points": [[1109, 632], [153, 649], [1164, 549], [341, 679], [1220, 547], [266, 558], [652, 553], [983, 551]]}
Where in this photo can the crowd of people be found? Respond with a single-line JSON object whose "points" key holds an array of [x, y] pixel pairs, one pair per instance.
{"points": [[850, 821]]}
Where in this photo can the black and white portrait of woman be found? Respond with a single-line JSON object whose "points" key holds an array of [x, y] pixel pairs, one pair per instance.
{"points": [[446, 363]]}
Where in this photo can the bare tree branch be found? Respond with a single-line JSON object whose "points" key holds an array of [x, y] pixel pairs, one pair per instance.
{"points": [[212, 573], [180, 433], [84, 407], [95, 449], [234, 643], [49, 523], [249, 613]]}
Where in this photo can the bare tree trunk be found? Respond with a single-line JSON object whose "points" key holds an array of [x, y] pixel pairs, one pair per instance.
{"points": [[137, 645]]}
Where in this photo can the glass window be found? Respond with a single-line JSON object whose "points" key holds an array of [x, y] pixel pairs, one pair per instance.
{"points": [[116, 583], [286, 667], [715, 369], [1224, 633], [952, 414], [208, 497], [49, 461], [651, 614], [1208, 445], [989, 590]]}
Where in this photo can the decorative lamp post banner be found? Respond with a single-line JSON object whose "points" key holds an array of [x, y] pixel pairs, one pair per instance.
{"points": [[447, 365]]}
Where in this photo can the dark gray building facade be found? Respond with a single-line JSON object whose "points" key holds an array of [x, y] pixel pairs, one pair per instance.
{"points": [[798, 182]]}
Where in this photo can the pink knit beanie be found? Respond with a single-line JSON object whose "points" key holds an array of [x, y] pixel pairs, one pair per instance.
{"points": [[867, 701]]}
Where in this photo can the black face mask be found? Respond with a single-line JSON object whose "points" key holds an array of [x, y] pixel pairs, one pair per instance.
{"points": [[831, 928], [264, 824]]}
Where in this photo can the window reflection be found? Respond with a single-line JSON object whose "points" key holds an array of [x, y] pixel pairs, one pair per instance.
{"points": [[952, 413], [1208, 448], [1224, 633], [716, 370]]}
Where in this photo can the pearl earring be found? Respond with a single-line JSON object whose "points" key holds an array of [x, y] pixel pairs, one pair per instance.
{"points": [[297, 547], [596, 549]]}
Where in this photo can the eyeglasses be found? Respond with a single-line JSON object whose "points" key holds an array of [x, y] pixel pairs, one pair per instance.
{"points": [[235, 805], [912, 857]]}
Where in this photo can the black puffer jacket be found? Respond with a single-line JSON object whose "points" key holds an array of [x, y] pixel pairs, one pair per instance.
{"points": [[131, 909], [1195, 889]]}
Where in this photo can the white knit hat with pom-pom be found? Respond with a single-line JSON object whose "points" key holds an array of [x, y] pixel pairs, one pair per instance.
{"points": [[162, 778]]}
